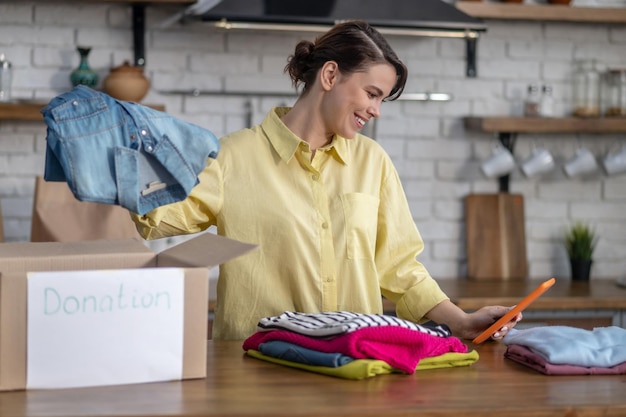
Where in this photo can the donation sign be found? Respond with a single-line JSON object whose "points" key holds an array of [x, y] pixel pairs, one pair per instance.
{"points": [[104, 327]]}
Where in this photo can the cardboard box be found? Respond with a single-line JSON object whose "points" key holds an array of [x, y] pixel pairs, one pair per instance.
{"points": [[196, 256]]}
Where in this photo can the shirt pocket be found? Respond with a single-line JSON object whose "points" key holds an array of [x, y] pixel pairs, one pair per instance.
{"points": [[361, 213]]}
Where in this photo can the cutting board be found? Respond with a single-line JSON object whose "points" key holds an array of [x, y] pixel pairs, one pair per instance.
{"points": [[495, 236]]}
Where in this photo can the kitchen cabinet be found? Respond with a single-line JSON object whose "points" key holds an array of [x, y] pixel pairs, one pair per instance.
{"points": [[540, 12], [507, 129]]}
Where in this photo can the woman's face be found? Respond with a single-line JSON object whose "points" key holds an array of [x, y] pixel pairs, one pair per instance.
{"points": [[356, 98]]}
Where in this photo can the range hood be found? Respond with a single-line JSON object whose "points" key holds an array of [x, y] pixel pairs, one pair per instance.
{"points": [[432, 18]]}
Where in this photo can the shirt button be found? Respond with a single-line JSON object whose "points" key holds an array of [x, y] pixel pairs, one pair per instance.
{"points": [[315, 177], [329, 279], [144, 133], [324, 225], [74, 103], [149, 148]]}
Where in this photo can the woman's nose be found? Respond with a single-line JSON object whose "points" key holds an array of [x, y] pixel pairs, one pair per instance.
{"points": [[374, 110]]}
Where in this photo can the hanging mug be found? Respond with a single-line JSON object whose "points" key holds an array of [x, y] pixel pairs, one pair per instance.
{"points": [[615, 161], [540, 161], [501, 162], [583, 162]]}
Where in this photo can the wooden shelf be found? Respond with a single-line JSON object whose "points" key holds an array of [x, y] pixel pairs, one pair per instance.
{"points": [[512, 11], [29, 111], [21, 111], [546, 125]]}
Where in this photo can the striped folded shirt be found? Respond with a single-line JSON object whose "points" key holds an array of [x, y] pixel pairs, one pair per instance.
{"points": [[340, 322]]}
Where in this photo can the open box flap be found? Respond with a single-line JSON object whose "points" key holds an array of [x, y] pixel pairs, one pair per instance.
{"points": [[95, 254], [206, 250]]}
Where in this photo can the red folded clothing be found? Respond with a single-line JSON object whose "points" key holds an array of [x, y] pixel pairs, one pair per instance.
{"points": [[399, 347], [525, 356]]}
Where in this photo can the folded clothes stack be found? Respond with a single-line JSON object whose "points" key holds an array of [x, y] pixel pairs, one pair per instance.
{"points": [[355, 346], [565, 350]]}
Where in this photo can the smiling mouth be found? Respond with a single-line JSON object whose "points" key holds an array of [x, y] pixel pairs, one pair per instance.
{"points": [[360, 122]]}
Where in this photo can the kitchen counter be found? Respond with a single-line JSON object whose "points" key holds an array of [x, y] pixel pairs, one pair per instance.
{"points": [[564, 295], [238, 385], [585, 304]]}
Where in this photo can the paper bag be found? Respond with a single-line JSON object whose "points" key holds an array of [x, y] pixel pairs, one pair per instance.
{"points": [[59, 217]]}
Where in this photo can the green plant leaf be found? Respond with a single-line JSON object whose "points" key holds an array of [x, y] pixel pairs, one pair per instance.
{"points": [[580, 241]]}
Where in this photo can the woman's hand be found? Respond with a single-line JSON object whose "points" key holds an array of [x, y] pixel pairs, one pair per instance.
{"points": [[481, 319], [469, 325]]}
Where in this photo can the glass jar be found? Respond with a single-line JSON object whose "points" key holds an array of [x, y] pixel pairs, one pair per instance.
{"points": [[531, 103], [546, 105], [615, 92], [587, 84]]}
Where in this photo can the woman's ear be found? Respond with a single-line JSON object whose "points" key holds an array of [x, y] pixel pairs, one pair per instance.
{"points": [[328, 75]]}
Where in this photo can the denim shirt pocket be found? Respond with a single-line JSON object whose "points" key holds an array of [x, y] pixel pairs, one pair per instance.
{"points": [[361, 215], [79, 108]]}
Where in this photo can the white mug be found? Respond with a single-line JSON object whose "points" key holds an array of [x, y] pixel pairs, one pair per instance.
{"points": [[501, 162], [583, 162], [615, 161], [540, 161]]}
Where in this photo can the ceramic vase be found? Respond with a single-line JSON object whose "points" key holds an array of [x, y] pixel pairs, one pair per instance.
{"points": [[83, 74], [127, 83]]}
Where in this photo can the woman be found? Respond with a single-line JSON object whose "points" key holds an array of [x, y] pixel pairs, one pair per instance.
{"points": [[324, 203]]}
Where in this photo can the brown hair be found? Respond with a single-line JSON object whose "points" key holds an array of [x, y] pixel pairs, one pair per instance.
{"points": [[354, 45]]}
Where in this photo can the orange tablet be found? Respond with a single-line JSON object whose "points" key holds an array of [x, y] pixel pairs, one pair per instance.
{"points": [[513, 312]]}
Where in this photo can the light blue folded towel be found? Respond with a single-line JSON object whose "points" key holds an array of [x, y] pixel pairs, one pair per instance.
{"points": [[601, 347]]}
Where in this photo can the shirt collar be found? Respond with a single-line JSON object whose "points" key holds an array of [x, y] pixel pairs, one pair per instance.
{"points": [[286, 143]]}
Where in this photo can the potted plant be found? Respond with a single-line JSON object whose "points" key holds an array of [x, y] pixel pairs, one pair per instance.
{"points": [[580, 242]]}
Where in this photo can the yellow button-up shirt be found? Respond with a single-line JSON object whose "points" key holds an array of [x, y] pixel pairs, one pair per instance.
{"points": [[334, 231]]}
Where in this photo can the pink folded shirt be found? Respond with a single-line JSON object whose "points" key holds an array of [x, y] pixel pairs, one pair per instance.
{"points": [[525, 356], [399, 347]]}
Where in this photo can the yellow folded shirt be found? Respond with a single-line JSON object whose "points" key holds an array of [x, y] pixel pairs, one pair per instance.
{"points": [[448, 360], [366, 368]]}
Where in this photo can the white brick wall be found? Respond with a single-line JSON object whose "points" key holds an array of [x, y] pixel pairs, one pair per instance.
{"points": [[438, 161]]}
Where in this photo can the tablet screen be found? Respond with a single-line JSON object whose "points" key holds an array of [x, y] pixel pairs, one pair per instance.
{"points": [[513, 312]]}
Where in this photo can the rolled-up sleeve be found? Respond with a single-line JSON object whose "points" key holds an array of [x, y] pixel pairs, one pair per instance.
{"points": [[403, 279]]}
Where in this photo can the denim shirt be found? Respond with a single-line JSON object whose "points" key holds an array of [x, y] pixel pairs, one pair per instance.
{"points": [[116, 152]]}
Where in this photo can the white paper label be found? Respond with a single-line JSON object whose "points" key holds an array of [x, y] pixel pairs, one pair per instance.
{"points": [[108, 327]]}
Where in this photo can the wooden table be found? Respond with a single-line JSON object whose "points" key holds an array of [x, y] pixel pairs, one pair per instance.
{"points": [[238, 385]]}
